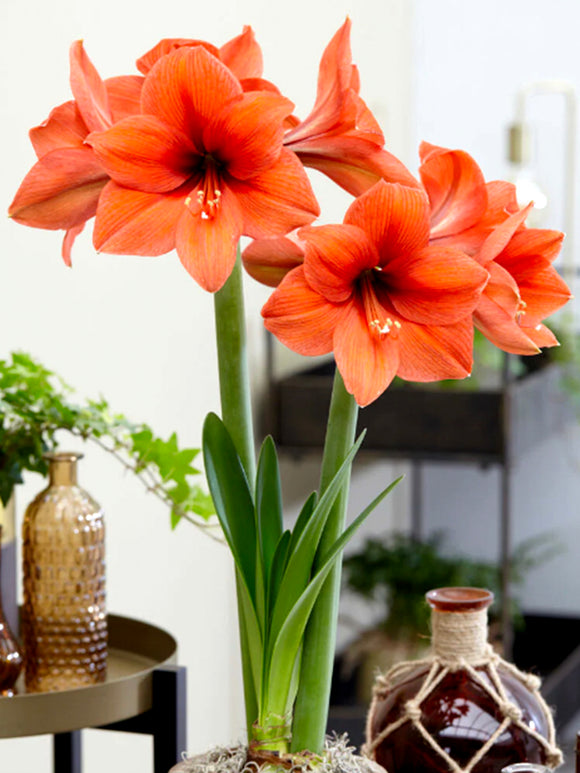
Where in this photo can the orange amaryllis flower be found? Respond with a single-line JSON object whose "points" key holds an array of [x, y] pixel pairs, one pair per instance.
{"points": [[524, 288], [464, 208], [62, 189], [203, 165], [341, 137], [376, 294]]}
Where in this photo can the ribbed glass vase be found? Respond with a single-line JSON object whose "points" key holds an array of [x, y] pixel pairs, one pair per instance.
{"points": [[64, 622]]}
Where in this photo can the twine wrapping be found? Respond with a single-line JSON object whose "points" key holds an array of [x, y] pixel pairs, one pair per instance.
{"points": [[460, 643]]}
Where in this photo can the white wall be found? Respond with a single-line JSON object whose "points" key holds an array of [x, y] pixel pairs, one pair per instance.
{"points": [[139, 330]]}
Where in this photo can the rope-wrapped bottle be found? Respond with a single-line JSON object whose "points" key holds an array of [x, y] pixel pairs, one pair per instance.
{"points": [[63, 614], [463, 709]]}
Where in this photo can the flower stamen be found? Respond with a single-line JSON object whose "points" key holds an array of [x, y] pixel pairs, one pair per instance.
{"points": [[377, 322], [207, 197]]}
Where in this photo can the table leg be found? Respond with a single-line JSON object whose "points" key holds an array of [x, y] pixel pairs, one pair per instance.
{"points": [[67, 752], [169, 717]]}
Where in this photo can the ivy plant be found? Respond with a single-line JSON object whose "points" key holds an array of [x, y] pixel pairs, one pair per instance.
{"points": [[36, 404]]}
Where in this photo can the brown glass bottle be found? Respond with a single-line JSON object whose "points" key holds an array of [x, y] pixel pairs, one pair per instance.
{"points": [[64, 621], [459, 715]]}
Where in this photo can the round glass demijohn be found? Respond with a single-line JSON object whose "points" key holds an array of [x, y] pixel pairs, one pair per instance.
{"points": [[64, 622], [463, 709]]}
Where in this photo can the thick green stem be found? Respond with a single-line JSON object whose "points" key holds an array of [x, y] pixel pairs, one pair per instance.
{"points": [[237, 416], [311, 709], [233, 368]]}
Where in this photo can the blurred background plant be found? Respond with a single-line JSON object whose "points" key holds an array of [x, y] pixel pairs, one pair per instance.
{"points": [[36, 404]]}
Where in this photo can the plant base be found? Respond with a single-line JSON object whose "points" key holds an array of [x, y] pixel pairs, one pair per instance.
{"points": [[338, 757]]}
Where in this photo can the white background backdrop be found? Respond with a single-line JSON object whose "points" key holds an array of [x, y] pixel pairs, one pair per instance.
{"points": [[140, 331]]}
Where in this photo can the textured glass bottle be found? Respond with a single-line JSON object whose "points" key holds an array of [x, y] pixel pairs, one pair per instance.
{"points": [[64, 621], [466, 709]]}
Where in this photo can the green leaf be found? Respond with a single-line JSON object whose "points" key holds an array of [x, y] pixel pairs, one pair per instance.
{"points": [[301, 558], [289, 640], [268, 504], [250, 629], [231, 496], [278, 567], [303, 518]]}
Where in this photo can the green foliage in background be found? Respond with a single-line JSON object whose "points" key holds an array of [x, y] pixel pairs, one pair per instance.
{"points": [[398, 570], [35, 404]]}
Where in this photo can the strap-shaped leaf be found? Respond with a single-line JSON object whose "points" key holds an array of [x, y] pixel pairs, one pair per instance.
{"points": [[250, 629], [301, 559], [231, 496], [303, 519], [268, 504], [289, 640], [278, 567], [260, 595]]}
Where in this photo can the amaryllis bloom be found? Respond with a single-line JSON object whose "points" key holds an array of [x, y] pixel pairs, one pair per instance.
{"points": [[464, 208], [377, 295], [524, 288], [341, 137], [201, 166], [62, 189]]}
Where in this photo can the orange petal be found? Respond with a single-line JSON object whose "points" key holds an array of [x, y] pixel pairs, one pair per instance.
{"points": [[135, 223], [395, 218], [166, 46], [89, 90], [243, 55], [334, 97], [501, 200], [124, 94], [299, 317], [501, 203], [187, 89], [352, 163], [64, 128], [278, 200], [435, 285], [533, 241], [207, 245], [335, 257], [433, 353], [68, 241], [366, 362], [542, 336], [247, 136], [261, 84], [456, 189], [269, 260], [142, 152], [501, 328], [541, 288], [501, 235], [502, 289], [60, 191]]}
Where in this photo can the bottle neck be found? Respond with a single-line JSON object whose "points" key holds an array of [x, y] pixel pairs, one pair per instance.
{"points": [[459, 635], [62, 468]]}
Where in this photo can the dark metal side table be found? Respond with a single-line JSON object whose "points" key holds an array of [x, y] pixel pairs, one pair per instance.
{"points": [[145, 692]]}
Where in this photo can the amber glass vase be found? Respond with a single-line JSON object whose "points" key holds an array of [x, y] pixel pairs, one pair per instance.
{"points": [[64, 621], [463, 709]]}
